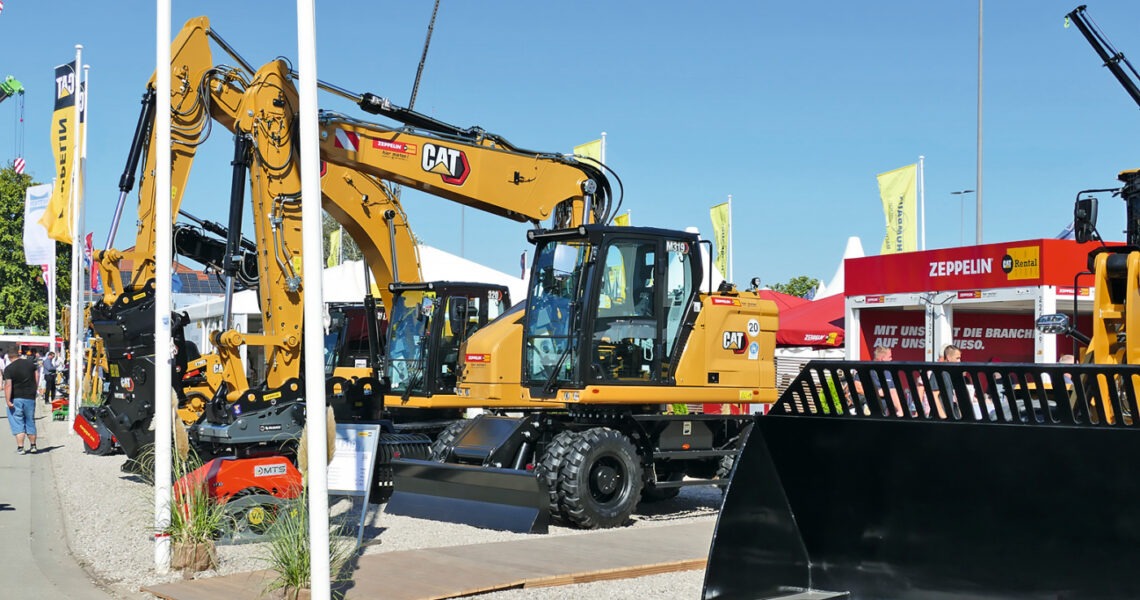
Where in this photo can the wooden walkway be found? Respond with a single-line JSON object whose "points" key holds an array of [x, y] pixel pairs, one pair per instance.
{"points": [[455, 571]]}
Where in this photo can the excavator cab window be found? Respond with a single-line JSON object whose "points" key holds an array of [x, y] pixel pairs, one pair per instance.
{"points": [[623, 346], [409, 325], [462, 320], [555, 297], [679, 283], [334, 339]]}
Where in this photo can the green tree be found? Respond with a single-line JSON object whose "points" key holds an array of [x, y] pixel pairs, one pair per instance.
{"points": [[797, 286], [22, 291]]}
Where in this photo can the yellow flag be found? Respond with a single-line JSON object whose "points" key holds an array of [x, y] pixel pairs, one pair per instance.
{"points": [[64, 137], [591, 150], [622, 220], [334, 248], [720, 222], [897, 190]]}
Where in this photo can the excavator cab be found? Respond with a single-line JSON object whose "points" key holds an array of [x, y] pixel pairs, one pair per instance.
{"points": [[616, 325], [607, 307], [429, 323]]}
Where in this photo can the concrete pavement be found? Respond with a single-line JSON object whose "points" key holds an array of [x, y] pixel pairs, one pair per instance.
{"points": [[35, 561]]}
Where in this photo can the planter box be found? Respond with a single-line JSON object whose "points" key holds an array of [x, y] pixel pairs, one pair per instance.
{"points": [[291, 594], [195, 557]]}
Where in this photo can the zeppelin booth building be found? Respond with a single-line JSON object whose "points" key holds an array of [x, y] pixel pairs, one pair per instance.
{"points": [[984, 299]]}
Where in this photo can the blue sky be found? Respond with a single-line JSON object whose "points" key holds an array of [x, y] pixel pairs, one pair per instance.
{"points": [[790, 107]]}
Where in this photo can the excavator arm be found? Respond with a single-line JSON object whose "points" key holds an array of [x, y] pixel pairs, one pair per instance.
{"points": [[373, 216], [480, 171], [200, 94]]}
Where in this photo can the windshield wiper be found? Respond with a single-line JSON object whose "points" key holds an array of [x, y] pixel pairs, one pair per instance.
{"points": [[416, 377]]}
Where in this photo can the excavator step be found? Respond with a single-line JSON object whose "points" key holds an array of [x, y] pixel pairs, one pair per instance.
{"points": [[1003, 481]]}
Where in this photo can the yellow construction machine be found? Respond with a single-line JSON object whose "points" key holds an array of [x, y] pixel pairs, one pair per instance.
{"points": [[617, 328], [837, 497]]}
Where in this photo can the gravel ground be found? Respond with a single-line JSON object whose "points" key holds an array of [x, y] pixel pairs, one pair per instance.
{"points": [[110, 516]]}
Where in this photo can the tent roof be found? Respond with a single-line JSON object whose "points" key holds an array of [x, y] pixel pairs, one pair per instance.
{"points": [[784, 301], [814, 323]]}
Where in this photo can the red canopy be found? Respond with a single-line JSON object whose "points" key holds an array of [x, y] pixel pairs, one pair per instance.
{"points": [[782, 300], [813, 323]]}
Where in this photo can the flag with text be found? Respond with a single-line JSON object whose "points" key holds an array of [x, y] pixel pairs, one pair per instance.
{"points": [[721, 222], [64, 137], [898, 192]]}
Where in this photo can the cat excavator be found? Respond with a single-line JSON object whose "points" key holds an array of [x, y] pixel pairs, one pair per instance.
{"points": [[201, 96], [837, 497]]}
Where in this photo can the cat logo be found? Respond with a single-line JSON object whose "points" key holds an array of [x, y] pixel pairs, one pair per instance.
{"points": [[64, 84], [734, 340], [450, 164]]}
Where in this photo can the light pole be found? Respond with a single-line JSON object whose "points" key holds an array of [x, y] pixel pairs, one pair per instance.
{"points": [[962, 219]]}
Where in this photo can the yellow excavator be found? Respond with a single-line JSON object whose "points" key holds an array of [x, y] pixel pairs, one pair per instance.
{"points": [[201, 95], [628, 299], [123, 320], [837, 497], [596, 366]]}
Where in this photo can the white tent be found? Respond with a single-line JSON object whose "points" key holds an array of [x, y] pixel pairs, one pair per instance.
{"points": [[834, 287], [345, 283]]}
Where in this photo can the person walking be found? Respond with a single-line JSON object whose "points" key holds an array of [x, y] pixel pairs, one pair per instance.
{"points": [[50, 369], [21, 379]]}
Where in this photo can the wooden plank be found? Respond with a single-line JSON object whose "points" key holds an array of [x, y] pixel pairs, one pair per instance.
{"points": [[623, 573], [453, 571], [240, 586]]}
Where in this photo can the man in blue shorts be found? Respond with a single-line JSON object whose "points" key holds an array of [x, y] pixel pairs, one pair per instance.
{"points": [[21, 380]]}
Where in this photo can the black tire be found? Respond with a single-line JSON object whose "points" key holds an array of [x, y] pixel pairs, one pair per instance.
{"points": [[549, 467], [445, 441], [655, 494], [600, 479]]}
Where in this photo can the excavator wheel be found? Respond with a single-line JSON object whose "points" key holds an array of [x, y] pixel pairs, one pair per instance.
{"points": [[600, 479], [549, 467], [445, 441]]}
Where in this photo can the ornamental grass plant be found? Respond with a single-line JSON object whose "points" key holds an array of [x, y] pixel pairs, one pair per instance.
{"points": [[289, 553]]}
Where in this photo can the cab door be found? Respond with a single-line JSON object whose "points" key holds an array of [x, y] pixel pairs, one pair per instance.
{"points": [[626, 341]]}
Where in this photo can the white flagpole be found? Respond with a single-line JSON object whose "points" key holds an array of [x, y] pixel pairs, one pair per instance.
{"points": [[76, 258], [163, 412], [922, 199], [52, 303], [75, 355], [314, 376], [602, 152], [729, 274]]}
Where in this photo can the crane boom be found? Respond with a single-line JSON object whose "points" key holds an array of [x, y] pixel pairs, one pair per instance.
{"points": [[1112, 59]]}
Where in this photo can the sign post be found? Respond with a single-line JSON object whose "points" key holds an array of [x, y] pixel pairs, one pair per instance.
{"points": [[350, 472]]}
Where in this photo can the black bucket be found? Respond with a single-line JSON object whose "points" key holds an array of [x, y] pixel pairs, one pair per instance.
{"points": [[1030, 496]]}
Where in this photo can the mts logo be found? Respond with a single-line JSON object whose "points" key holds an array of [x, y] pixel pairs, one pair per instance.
{"points": [[449, 163], [269, 470]]}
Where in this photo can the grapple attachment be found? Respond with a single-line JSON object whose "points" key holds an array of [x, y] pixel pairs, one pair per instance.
{"points": [[1027, 496]]}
